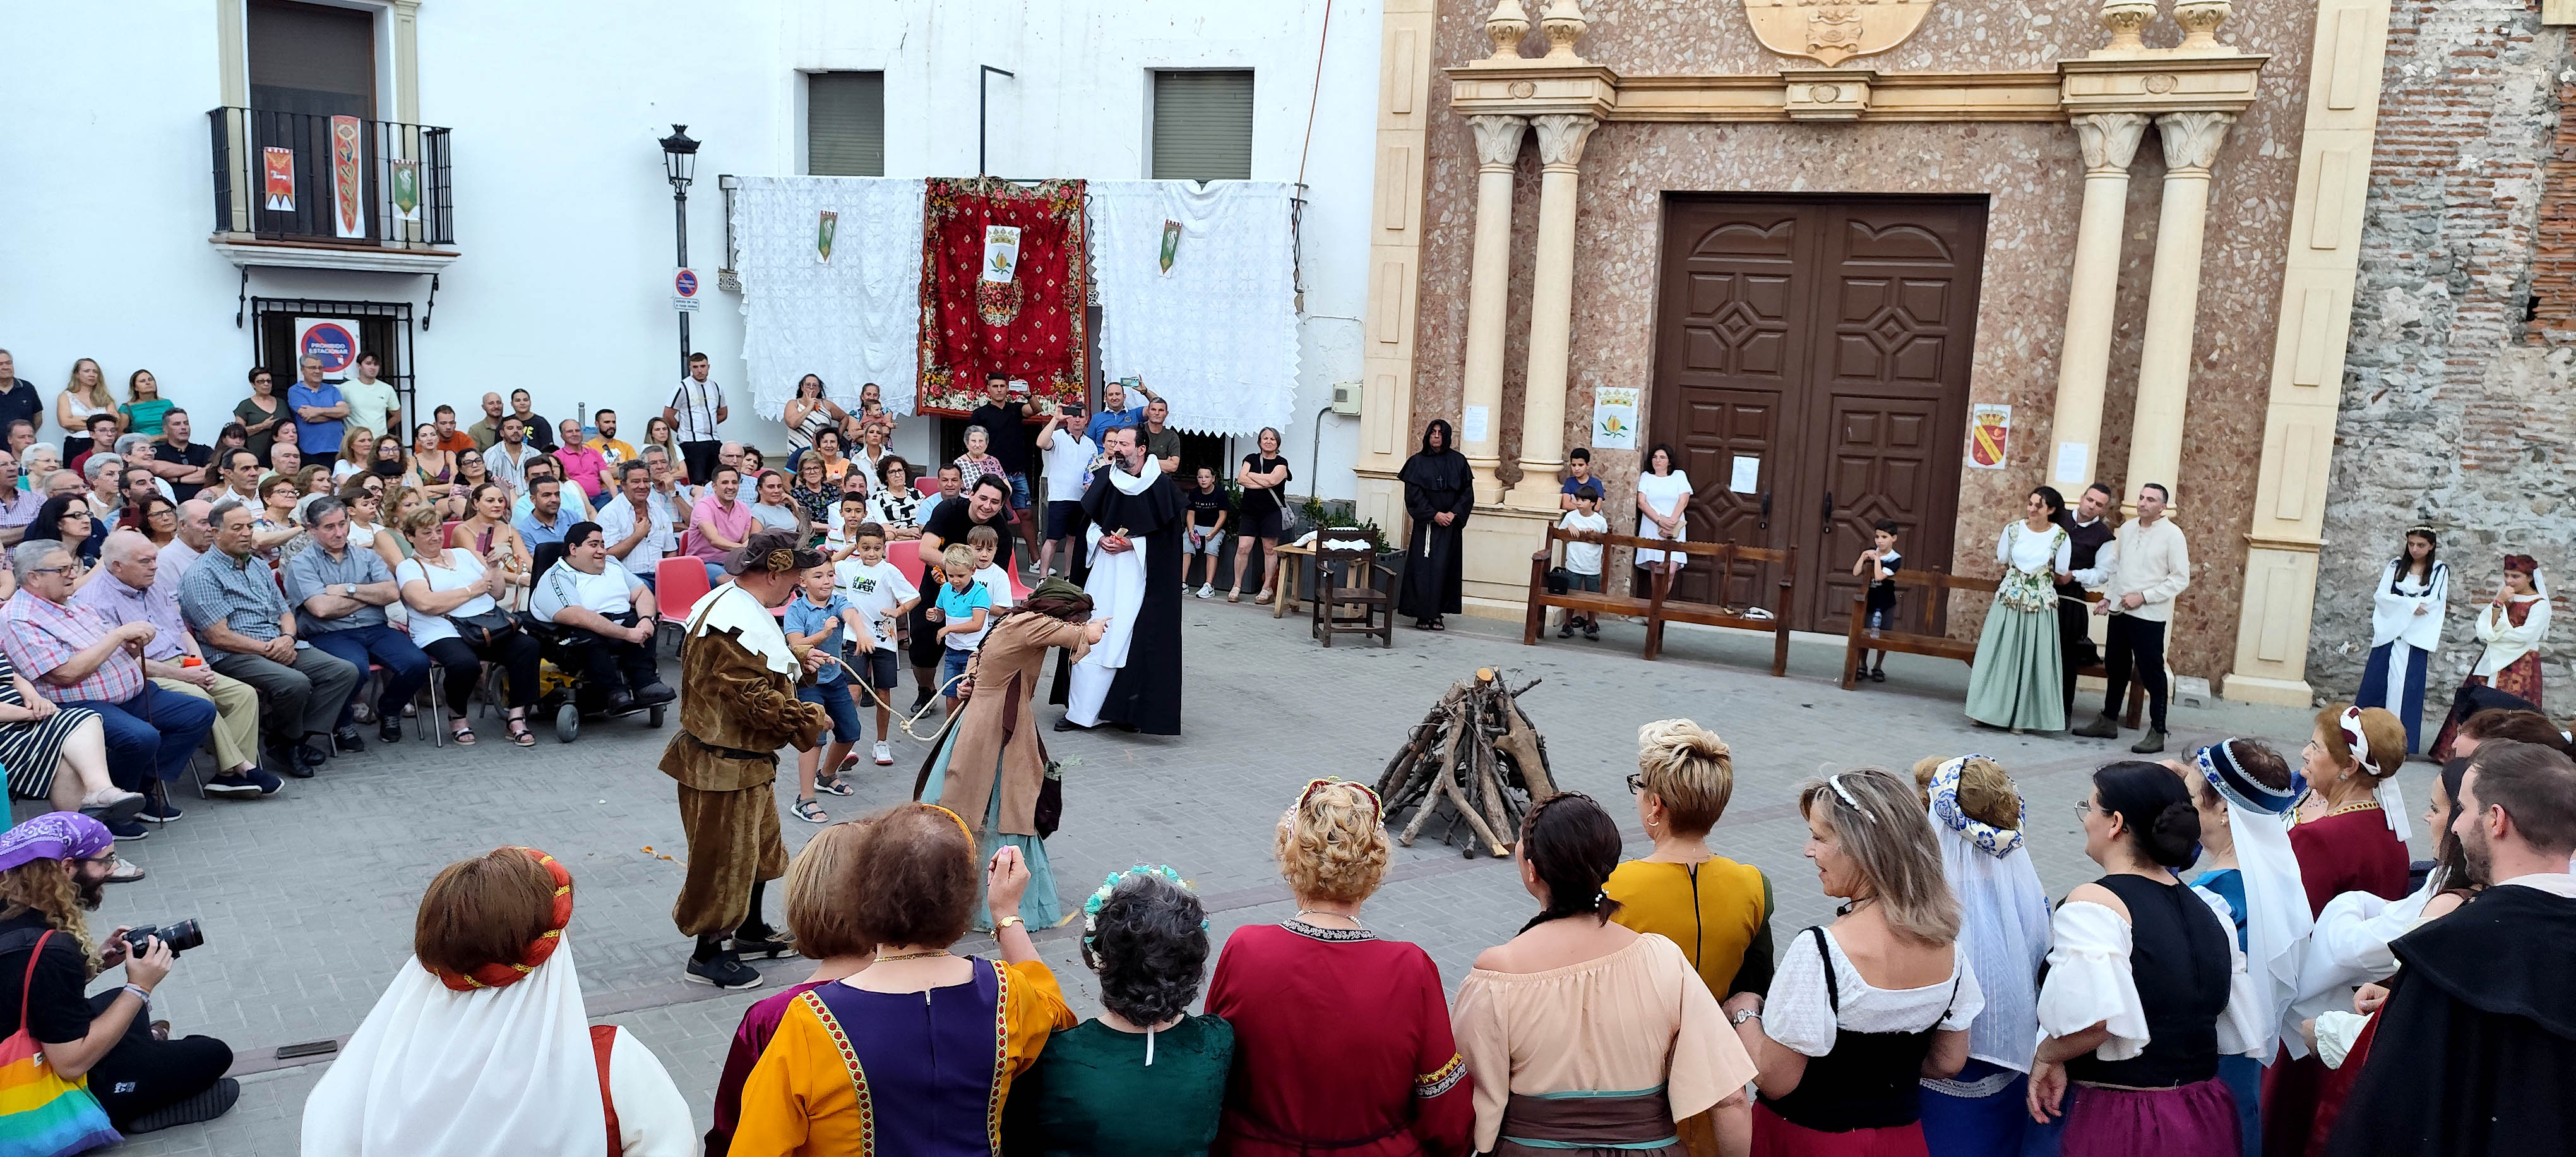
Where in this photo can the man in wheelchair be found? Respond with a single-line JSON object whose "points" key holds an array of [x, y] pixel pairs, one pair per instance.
{"points": [[604, 613]]}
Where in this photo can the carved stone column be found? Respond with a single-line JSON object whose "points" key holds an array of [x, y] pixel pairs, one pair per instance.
{"points": [[2191, 142], [1498, 143], [1560, 150], [2110, 142]]}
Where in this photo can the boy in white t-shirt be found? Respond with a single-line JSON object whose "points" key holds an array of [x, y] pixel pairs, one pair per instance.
{"points": [[882, 596], [987, 543], [1583, 559]]}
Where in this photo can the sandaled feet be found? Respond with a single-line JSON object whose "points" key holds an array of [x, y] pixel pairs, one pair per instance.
{"points": [[519, 733], [460, 732], [810, 811]]}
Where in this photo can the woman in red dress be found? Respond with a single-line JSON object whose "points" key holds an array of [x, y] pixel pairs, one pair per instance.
{"points": [[2511, 626], [1341, 1039]]}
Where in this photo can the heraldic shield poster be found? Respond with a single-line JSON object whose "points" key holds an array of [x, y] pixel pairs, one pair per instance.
{"points": [[1001, 289]]}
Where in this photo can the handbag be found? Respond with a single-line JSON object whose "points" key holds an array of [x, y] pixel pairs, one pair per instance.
{"points": [[1559, 580], [59, 1117], [1049, 813], [485, 630]]}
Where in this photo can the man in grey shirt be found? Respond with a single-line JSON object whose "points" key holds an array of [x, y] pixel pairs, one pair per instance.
{"points": [[232, 602], [340, 597]]}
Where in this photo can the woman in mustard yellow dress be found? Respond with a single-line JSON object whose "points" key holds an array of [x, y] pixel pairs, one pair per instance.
{"points": [[1717, 910]]}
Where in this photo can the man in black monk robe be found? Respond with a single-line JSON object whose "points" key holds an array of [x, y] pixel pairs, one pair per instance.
{"points": [[1131, 678], [1439, 492], [2475, 1051]]}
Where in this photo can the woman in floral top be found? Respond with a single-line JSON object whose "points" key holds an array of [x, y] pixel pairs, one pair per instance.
{"points": [[978, 460], [2016, 681], [896, 505]]}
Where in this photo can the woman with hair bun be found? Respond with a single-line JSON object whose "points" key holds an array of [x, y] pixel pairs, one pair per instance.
{"points": [[1341, 1040], [2146, 988], [2003, 927], [1145, 936], [1716, 910], [1863, 1010], [1565, 1025]]}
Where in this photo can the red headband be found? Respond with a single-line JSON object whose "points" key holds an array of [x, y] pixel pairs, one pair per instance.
{"points": [[2522, 562], [498, 975]]}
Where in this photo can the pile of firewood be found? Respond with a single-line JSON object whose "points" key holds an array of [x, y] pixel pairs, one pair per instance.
{"points": [[1474, 758]]}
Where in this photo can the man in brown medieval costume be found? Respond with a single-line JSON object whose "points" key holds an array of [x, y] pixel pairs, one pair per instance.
{"points": [[738, 676]]}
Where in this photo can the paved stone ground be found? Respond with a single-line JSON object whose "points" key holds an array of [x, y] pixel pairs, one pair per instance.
{"points": [[307, 898]]}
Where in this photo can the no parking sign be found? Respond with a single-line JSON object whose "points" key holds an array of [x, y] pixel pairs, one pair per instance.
{"points": [[332, 339], [684, 290]]}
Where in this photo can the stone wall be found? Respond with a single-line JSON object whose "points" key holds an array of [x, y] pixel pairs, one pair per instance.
{"points": [[2458, 407]]}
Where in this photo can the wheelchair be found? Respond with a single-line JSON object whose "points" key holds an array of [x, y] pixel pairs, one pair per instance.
{"points": [[563, 664]]}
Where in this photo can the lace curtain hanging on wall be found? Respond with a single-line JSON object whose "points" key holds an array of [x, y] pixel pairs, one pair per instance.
{"points": [[1216, 334], [853, 319]]}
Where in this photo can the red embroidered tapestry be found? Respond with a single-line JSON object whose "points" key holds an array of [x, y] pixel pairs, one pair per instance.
{"points": [[1001, 289]]}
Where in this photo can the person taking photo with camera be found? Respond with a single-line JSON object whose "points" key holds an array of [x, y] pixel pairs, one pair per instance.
{"points": [[52, 869]]}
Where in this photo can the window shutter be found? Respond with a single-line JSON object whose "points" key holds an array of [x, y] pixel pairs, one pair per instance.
{"points": [[1203, 126], [845, 124]]}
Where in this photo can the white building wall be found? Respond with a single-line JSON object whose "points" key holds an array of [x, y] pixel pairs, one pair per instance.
{"points": [[562, 212]]}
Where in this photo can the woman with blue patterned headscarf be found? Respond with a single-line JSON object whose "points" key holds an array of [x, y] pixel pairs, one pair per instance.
{"points": [[2003, 931]]}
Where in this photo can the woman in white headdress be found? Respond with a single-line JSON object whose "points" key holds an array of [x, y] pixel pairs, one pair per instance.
{"points": [[2406, 614], [2003, 930], [2241, 789], [480, 1047]]}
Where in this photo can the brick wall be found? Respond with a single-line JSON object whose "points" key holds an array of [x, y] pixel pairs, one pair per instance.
{"points": [[2458, 406]]}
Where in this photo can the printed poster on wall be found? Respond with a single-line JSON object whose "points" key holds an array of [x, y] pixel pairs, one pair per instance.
{"points": [[348, 180], [277, 173], [1614, 418], [406, 182], [332, 339], [1989, 432], [826, 223]]}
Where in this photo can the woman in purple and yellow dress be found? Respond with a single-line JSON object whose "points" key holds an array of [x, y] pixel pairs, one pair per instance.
{"points": [[916, 1054]]}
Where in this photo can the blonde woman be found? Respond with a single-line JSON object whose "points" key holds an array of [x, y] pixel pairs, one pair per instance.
{"points": [[1321, 984], [1862, 1009], [1717, 910], [84, 396], [398, 507], [357, 454]]}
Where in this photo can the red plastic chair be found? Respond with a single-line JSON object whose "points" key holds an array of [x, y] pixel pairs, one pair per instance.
{"points": [[678, 584], [905, 554], [926, 486]]}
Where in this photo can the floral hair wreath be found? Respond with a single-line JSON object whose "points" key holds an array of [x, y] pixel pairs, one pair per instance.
{"points": [[1988, 838], [498, 975], [1109, 886]]}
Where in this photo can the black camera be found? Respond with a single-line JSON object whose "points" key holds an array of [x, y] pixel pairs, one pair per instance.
{"points": [[180, 935]]}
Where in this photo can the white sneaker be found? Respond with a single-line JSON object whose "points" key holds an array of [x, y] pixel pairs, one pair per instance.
{"points": [[1207, 590], [885, 754]]}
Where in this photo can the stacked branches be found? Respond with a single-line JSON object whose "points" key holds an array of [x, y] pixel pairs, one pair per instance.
{"points": [[1477, 759]]}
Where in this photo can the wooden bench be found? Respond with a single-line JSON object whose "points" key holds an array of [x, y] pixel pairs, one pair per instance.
{"points": [[1935, 588], [1658, 608]]}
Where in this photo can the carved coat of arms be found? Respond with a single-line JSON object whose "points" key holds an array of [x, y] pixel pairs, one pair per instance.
{"points": [[1833, 31]]}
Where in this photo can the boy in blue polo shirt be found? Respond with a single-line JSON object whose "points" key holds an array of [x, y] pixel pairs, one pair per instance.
{"points": [[816, 619]]}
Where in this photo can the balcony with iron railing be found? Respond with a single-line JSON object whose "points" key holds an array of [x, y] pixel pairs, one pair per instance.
{"points": [[331, 192]]}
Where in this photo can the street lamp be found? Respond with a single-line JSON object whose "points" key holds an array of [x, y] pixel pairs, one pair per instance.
{"points": [[680, 163]]}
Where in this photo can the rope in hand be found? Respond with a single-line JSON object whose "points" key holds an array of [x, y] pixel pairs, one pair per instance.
{"points": [[907, 720]]}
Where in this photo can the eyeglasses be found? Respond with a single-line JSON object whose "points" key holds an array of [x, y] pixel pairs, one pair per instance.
{"points": [[1636, 782], [51, 570], [2083, 810]]}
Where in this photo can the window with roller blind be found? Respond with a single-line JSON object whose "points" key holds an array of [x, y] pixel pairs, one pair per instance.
{"points": [[1202, 126], [845, 124]]}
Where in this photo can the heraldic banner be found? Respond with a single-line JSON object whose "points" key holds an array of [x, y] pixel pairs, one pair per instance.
{"points": [[1002, 268]]}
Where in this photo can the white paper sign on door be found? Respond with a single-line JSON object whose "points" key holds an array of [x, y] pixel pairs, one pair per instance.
{"points": [[1745, 475]]}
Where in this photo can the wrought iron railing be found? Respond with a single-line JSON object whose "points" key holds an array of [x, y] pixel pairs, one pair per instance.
{"points": [[335, 180]]}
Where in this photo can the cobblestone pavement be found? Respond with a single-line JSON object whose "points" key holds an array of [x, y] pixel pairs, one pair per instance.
{"points": [[307, 898]]}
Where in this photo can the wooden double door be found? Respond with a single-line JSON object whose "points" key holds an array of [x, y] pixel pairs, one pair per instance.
{"points": [[1811, 373]]}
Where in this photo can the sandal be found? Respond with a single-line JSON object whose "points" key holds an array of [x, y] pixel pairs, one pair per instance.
{"points": [[520, 734], [811, 812], [460, 732], [1234, 596], [1264, 597]]}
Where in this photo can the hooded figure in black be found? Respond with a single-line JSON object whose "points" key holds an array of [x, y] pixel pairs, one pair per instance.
{"points": [[1137, 519], [2475, 1050], [1439, 492]]}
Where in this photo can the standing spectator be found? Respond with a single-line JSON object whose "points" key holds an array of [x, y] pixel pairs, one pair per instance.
{"points": [[615, 609], [719, 525], [2510, 629], [1209, 509], [1583, 559], [2003, 928], [320, 411], [2140, 574], [696, 410], [1005, 420], [883, 596], [547, 519], [1578, 470], [509, 458], [1860, 1011], [1583, 1031], [1263, 513], [816, 619], [807, 1095], [85, 396], [1396, 1076], [1161, 443], [637, 528], [488, 430], [2406, 612], [373, 404], [340, 591], [450, 439], [1145, 936], [18, 400], [657, 434], [262, 413], [810, 413], [144, 405], [1070, 458], [540, 431], [17, 506], [2146, 988], [232, 601], [132, 592], [823, 894], [1876, 569], [1114, 412], [1663, 509], [175, 460], [1717, 910], [85, 662], [618, 453], [441, 583], [51, 868]]}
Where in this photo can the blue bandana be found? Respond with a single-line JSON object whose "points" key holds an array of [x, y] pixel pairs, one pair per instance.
{"points": [[1992, 840], [2218, 765]]}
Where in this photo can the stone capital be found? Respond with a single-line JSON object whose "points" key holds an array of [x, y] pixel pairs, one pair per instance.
{"points": [[2109, 140], [1498, 139], [2191, 139], [1561, 137]]}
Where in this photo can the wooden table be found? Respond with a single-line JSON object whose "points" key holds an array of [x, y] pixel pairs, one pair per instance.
{"points": [[1289, 569]]}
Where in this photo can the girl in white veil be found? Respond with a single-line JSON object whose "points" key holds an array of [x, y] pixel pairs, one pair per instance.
{"points": [[480, 1048], [2003, 930]]}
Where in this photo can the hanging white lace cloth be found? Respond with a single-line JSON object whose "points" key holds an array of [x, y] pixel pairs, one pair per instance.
{"points": [[1217, 336], [852, 320]]}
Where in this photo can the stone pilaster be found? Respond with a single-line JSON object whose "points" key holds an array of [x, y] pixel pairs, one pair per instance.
{"points": [[1498, 144], [2191, 143], [1561, 137], [2110, 142]]}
